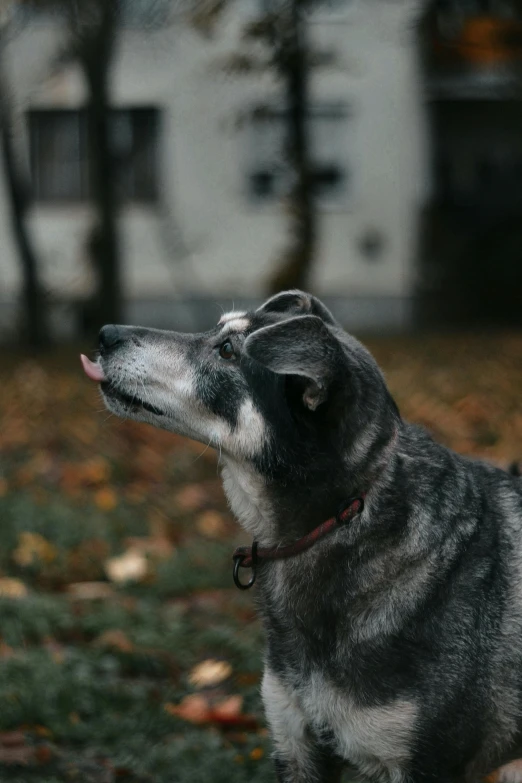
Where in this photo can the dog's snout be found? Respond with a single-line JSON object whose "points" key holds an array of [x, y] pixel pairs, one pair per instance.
{"points": [[110, 336]]}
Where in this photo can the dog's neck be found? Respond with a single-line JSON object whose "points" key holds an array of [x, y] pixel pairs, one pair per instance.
{"points": [[281, 512]]}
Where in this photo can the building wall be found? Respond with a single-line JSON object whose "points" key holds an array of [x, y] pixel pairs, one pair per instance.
{"points": [[206, 237]]}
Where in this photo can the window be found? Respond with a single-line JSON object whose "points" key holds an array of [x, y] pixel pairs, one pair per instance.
{"points": [[269, 175], [478, 156], [59, 147], [58, 155]]}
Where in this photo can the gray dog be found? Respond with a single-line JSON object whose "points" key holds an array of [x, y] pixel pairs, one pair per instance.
{"points": [[389, 569]]}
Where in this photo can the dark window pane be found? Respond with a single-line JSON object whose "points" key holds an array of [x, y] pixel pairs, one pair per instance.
{"points": [[59, 154], [144, 164], [328, 179]]}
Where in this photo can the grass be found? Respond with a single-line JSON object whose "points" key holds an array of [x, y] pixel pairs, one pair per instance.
{"points": [[97, 671]]}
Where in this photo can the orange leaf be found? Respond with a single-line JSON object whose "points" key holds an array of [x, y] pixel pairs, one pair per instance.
{"points": [[194, 708], [229, 707], [106, 499], [211, 523], [33, 547], [192, 497], [12, 588], [43, 754], [42, 731]]}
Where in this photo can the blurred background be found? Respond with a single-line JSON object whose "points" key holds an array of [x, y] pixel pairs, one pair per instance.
{"points": [[162, 161]]}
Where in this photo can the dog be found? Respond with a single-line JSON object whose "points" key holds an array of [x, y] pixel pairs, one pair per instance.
{"points": [[393, 617]]}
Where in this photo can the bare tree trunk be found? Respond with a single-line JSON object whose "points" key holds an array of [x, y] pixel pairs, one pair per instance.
{"points": [[104, 240], [296, 263], [93, 26], [35, 321]]}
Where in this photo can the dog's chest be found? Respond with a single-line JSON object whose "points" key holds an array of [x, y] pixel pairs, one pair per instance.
{"points": [[373, 737]]}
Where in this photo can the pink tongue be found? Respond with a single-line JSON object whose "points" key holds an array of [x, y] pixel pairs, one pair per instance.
{"points": [[92, 370]]}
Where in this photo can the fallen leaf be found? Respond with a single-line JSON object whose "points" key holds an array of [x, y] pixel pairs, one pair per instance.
{"points": [[194, 708], [12, 588], [21, 756], [227, 713], [229, 707], [192, 497], [43, 754], [96, 470], [211, 524], [12, 739], [115, 639], [209, 673], [85, 561], [106, 499], [132, 566], [13, 749], [90, 591], [33, 547], [42, 731]]}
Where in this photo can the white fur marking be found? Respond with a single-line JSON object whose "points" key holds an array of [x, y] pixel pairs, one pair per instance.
{"points": [[287, 722], [249, 434], [364, 735], [226, 317], [509, 773], [246, 493], [235, 326], [376, 739]]}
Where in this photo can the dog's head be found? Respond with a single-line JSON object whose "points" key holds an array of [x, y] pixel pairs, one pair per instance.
{"points": [[283, 386]]}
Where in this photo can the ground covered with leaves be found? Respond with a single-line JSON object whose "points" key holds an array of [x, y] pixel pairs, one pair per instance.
{"points": [[125, 653]]}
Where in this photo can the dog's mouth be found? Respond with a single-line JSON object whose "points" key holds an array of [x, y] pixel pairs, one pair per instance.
{"points": [[129, 401]]}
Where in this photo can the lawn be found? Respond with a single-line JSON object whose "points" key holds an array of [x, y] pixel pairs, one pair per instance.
{"points": [[125, 652]]}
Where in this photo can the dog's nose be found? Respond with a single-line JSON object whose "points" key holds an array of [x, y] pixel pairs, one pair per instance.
{"points": [[110, 336]]}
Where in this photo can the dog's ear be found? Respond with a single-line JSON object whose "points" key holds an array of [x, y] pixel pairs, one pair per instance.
{"points": [[302, 346], [297, 303]]}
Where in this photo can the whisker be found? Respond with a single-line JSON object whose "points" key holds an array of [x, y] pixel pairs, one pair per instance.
{"points": [[203, 452]]}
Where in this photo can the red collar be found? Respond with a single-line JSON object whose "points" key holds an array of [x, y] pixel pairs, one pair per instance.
{"points": [[249, 556]]}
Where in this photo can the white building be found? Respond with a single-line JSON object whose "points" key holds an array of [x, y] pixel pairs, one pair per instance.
{"points": [[202, 221]]}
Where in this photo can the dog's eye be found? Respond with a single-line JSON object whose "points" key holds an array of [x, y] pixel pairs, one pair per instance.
{"points": [[226, 351]]}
